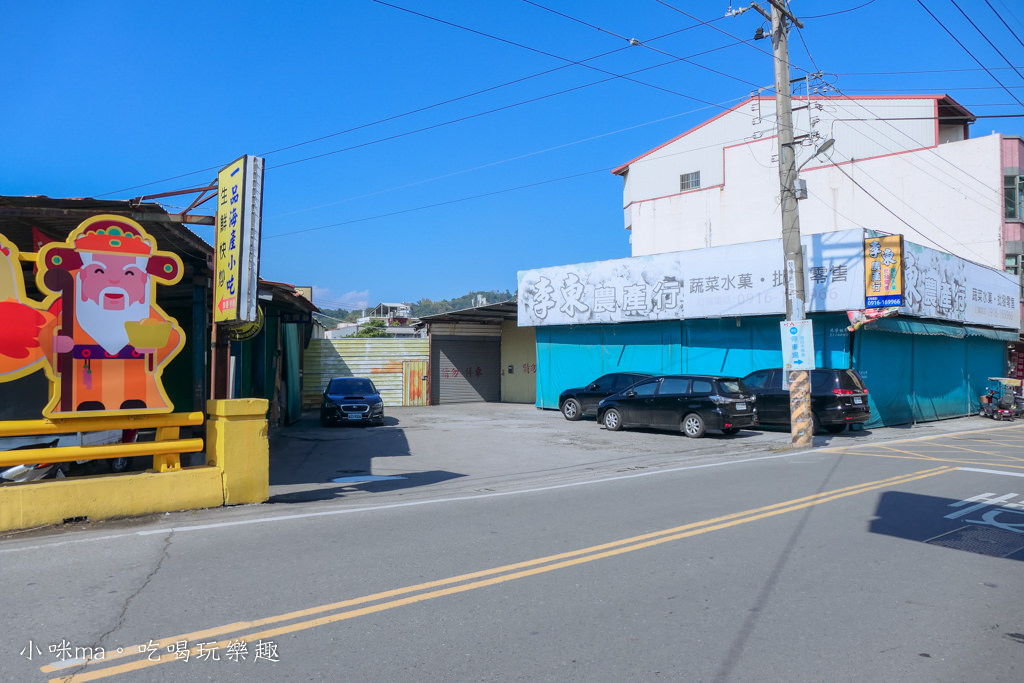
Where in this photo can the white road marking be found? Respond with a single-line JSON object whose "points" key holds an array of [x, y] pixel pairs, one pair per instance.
{"points": [[983, 471], [371, 508], [391, 506]]}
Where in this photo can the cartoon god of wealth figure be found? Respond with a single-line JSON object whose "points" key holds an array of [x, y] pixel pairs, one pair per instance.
{"points": [[108, 341]]}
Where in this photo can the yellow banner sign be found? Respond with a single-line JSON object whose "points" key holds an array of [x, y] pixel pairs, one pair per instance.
{"points": [[230, 182], [883, 271]]}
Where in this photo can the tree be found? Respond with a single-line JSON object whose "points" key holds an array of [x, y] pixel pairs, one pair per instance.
{"points": [[428, 307], [373, 328]]}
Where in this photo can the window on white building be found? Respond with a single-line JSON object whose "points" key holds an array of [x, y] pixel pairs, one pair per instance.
{"points": [[1013, 193], [689, 181]]}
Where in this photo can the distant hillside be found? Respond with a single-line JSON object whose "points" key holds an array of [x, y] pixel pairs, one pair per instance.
{"points": [[332, 316], [427, 307]]}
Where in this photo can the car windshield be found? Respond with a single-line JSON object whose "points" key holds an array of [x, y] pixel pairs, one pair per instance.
{"points": [[351, 385]]}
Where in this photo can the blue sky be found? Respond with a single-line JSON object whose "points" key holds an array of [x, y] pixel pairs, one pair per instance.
{"points": [[397, 168]]}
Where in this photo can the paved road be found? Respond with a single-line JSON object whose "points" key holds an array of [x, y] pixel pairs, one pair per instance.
{"points": [[869, 558]]}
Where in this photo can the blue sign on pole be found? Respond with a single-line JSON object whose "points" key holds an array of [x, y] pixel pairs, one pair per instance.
{"points": [[797, 345]]}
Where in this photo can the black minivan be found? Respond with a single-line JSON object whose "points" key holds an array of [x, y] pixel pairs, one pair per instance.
{"points": [[690, 403], [838, 398]]}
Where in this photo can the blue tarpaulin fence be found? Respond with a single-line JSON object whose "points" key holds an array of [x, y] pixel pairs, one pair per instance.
{"points": [[915, 370]]}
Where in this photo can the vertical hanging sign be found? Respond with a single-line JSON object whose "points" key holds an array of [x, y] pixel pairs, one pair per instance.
{"points": [[883, 271], [239, 220]]}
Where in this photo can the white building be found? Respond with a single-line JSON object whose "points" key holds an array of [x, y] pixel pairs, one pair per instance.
{"points": [[397, 317], [342, 330], [901, 164]]}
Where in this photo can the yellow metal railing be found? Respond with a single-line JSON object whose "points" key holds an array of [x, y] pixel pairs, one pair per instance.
{"points": [[166, 449]]}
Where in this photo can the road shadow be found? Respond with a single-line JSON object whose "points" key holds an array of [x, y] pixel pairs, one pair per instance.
{"points": [[370, 484], [980, 526], [821, 436], [310, 462]]}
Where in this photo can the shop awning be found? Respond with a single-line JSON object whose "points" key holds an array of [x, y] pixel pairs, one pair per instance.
{"points": [[934, 328], [1001, 335]]}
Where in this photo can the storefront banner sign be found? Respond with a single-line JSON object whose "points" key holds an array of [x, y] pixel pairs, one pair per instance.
{"points": [[727, 281], [946, 287], [883, 271], [239, 221]]}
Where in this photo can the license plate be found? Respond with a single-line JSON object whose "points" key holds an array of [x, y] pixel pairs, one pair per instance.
{"points": [[741, 406], [355, 416], [857, 400]]}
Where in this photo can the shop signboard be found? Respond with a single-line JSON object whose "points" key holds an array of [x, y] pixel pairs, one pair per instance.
{"points": [[883, 271], [946, 287], [727, 281], [239, 221]]}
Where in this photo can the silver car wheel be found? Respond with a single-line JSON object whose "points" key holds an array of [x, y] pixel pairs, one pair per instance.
{"points": [[571, 409], [693, 426]]}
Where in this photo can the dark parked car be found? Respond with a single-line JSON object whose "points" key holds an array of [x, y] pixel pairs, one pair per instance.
{"points": [[351, 400], [838, 398], [690, 403], [575, 403]]}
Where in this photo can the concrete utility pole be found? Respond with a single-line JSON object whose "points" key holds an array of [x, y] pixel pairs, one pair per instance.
{"points": [[801, 418]]}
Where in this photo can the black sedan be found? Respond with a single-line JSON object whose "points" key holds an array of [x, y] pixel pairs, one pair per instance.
{"points": [[838, 398], [351, 400], [690, 403], [575, 403]]}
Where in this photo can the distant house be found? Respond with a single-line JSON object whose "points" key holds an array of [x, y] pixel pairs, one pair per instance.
{"points": [[396, 316], [342, 330]]}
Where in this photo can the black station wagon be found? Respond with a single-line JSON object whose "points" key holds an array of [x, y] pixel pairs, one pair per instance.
{"points": [[690, 403]]}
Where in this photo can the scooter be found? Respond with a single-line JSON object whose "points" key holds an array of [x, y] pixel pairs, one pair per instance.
{"points": [[59, 470], [1002, 402]]}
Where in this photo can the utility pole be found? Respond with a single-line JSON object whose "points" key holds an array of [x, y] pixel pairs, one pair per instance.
{"points": [[801, 419]]}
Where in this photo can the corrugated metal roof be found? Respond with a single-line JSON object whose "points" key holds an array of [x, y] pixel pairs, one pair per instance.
{"points": [[490, 313]]}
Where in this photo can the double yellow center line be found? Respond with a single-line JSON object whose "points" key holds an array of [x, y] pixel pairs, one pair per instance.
{"points": [[291, 622]]}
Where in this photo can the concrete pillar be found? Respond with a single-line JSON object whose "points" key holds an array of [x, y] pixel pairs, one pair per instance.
{"points": [[236, 442]]}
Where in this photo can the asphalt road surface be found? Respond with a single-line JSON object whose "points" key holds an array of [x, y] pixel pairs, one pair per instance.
{"points": [[500, 543]]}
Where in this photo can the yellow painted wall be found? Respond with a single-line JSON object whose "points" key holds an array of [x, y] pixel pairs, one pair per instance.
{"points": [[41, 503], [237, 471], [379, 359], [518, 363]]}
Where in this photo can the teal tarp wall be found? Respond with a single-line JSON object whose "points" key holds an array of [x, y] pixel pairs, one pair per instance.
{"points": [[573, 356], [915, 370], [920, 377]]}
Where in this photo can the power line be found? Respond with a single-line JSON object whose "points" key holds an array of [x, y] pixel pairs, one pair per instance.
{"points": [[504, 161], [842, 11], [921, 233], [726, 33], [634, 41], [991, 44], [1010, 12], [436, 204], [917, 73], [888, 122], [566, 59], [964, 47], [439, 104]]}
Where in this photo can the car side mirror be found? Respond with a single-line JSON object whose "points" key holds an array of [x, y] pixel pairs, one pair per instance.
{"points": [[630, 394], [592, 387]]}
